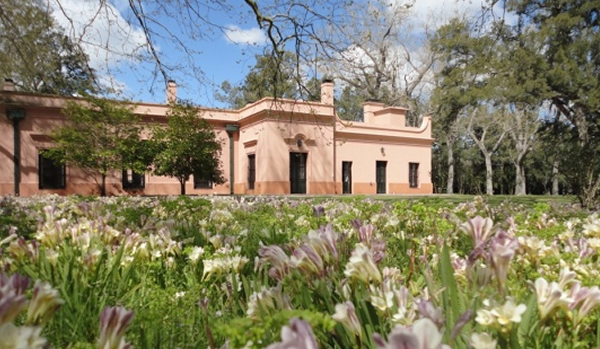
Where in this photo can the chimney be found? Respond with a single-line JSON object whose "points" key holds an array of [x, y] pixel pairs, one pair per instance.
{"points": [[327, 92], [171, 91], [9, 85], [371, 106]]}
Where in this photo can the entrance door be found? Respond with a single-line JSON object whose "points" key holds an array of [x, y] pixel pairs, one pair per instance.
{"points": [[380, 176], [347, 177], [298, 173]]}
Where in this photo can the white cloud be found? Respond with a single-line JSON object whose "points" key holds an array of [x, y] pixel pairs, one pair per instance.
{"points": [[101, 30], [436, 13], [253, 36]]}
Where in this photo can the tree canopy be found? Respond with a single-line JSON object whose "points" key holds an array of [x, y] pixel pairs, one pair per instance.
{"points": [[37, 54], [100, 136], [187, 146]]}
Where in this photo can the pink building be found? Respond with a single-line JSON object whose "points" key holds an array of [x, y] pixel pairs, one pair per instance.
{"points": [[273, 146]]}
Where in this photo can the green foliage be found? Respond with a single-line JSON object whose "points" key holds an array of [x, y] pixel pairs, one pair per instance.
{"points": [[141, 253], [36, 53], [186, 146], [100, 136], [273, 75]]}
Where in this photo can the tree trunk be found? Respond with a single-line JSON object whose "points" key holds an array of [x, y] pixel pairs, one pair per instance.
{"points": [[182, 185], [450, 184], [555, 176], [489, 187], [520, 185], [103, 185]]}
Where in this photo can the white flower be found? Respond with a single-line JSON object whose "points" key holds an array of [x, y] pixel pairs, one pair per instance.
{"points": [[196, 253], [361, 265], [485, 317], [482, 341], [346, 315], [508, 312], [23, 337]]}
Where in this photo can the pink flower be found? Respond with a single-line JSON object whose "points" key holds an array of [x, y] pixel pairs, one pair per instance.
{"points": [[113, 323], [478, 228], [502, 249], [423, 334], [298, 335], [12, 297]]}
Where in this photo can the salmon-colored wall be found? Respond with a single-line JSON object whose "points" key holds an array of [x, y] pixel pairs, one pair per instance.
{"points": [[269, 128], [364, 146]]}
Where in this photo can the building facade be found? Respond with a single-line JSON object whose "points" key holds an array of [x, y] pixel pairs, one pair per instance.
{"points": [[272, 146]]}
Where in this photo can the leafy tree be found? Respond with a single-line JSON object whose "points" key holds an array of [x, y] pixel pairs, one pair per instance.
{"points": [[349, 105], [187, 146], [36, 53], [100, 136], [271, 76]]}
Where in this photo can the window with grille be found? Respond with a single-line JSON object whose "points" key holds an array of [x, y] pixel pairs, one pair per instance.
{"points": [[52, 175], [413, 174]]}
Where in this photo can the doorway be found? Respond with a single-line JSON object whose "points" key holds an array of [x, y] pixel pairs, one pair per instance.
{"points": [[346, 177], [298, 173], [380, 176]]}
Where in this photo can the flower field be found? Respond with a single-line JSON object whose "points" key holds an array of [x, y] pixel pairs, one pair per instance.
{"points": [[80, 272]]}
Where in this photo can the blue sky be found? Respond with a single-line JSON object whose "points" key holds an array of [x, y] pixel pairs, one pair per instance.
{"points": [[223, 49]]}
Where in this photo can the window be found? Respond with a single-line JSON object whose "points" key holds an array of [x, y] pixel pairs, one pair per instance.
{"points": [[413, 174], [380, 176], [52, 175], [251, 170], [347, 177], [133, 180], [200, 183]]}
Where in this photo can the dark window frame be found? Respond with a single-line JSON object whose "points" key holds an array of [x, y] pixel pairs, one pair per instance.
{"points": [[413, 174], [251, 171], [50, 174], [137, 181], [202, 184]]}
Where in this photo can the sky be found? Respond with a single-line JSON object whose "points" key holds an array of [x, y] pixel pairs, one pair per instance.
{"points": [[223, 48]]}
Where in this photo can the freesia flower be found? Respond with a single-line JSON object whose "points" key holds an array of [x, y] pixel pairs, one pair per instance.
{"points": [[482, 341], [508, 312], [478, 228], [197, 252], [44, 303], [298, 335], [113, 323], [346, 315], [423, 334], [24, 337], [585, 298], [361, 265], [502, 249], [550, 296], [12, 297]]}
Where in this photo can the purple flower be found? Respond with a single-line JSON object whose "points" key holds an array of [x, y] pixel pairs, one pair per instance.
{"points": [[423, 334], [502, 250], [479, 228], [113, 323], [12, 297], [298, 335]]}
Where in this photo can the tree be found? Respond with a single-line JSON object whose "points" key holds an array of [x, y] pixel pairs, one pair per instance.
{"points": [[271, 76], [381, 56], [187, 146], [37, 54], [100, 136], [568, 31]]}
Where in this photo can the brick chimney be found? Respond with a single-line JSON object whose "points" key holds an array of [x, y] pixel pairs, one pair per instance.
{"points": [[171, 91], [8, 85], [327, 92]]}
